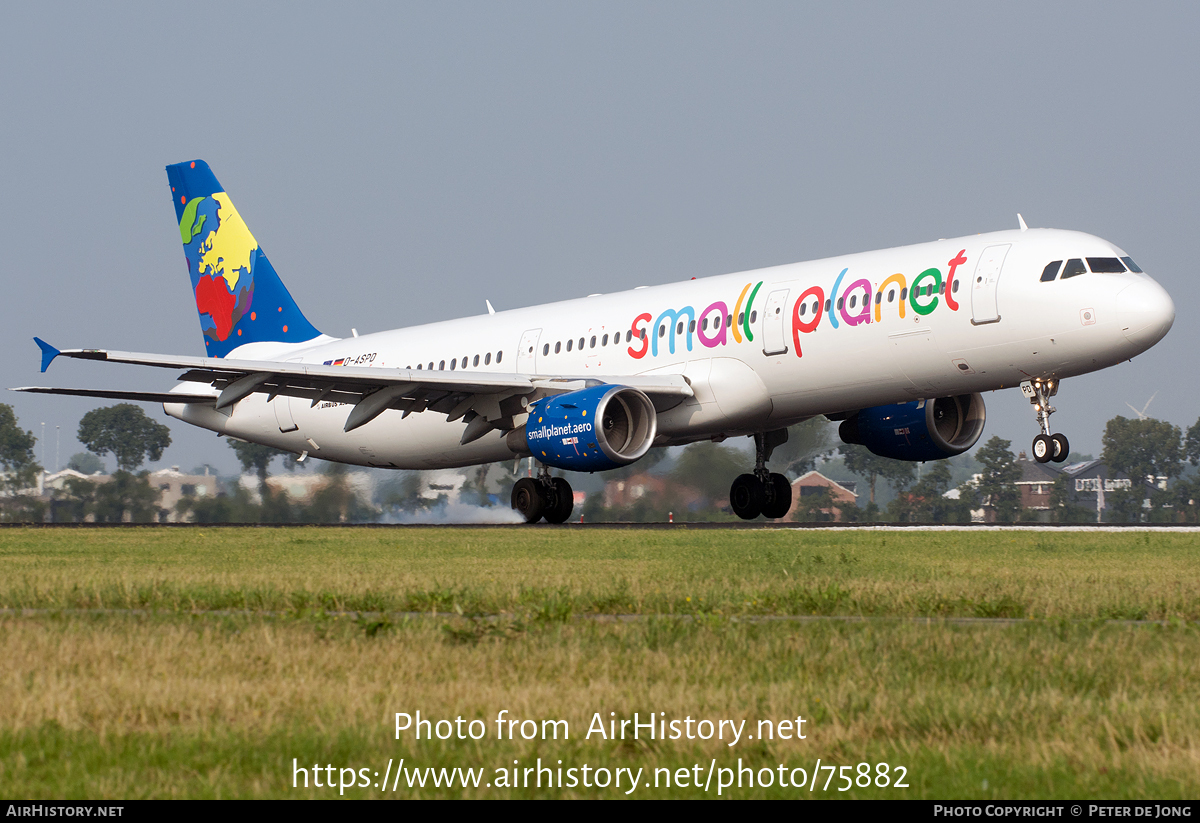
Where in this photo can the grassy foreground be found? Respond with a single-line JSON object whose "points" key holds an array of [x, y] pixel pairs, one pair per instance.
{"points": [[178, 701]]}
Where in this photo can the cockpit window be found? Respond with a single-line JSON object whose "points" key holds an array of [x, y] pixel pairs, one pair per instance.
{"points": [[1051, 271], [1128, 261], [1074, 266], [1106, 265]]}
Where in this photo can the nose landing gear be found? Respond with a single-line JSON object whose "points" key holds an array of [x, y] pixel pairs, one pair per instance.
{"points": [[543, 497], [1046, 446], [762, 492]]}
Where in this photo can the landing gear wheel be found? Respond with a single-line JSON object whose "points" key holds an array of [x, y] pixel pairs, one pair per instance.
{"points": [[528, 500], [562, 501], [779, 497], [747, 496], [1043, 448], [1062, 447]]}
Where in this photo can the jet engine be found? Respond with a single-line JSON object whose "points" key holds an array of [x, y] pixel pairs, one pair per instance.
{"points": [[602, 427], [920, 429]]}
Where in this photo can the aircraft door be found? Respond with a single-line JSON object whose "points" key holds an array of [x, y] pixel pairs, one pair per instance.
{"points": [[774, 333], [527, 352], [984, 308]]}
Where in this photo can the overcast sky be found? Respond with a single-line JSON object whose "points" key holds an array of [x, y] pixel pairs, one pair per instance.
{"points": [[402, 162]]}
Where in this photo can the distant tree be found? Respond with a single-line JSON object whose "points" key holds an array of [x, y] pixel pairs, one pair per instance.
{"points": [[814, 505], [807, 442], [256, 458], [1192, 444], [85, 463], [1143, 449], [709, 468], [18, 471], [1063, 507], [927, 501], [126, 432], [865, 463], [648, 461], [998, 479], [125, 497], [336, 501]]}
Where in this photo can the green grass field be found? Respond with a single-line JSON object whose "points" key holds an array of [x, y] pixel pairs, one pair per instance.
{"points": [[200, 662]]}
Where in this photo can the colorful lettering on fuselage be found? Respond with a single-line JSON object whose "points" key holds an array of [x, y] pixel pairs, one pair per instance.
{"points": [[715, 325]]}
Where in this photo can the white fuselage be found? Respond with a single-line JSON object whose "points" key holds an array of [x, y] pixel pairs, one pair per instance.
{"points": [[1009, 326]]}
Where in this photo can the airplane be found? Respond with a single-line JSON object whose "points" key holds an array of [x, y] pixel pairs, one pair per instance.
{"points": [[897, 344]]}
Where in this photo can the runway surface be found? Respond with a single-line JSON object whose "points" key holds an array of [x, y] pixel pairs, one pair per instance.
{"points": [[698, 526]]}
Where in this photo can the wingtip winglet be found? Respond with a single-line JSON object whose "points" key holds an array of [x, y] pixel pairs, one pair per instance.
{"points": [[48, 352]]}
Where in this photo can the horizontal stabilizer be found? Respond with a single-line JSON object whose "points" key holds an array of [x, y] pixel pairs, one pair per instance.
{"points": [[110, 394]]}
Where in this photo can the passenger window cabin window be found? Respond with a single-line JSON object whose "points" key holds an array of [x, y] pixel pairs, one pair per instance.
{"points": [[558, 347], [955, 289], [545, 350], [604, 340], [441, 365], [1105, 265], [487, 358], [475, 361], [754, 317], [1051, 271], [891, 295], [431, 365], [499, 356], [581, 344], [629, 335], [729, 320], [878, 298], [464, 362], [904, 294], [827, 304], [661, 331], [592, 342], [803, 309], [1128, 261], [841, 302], [692, 327], [569, 344], [418, 367], [1074, 268], [741, 318], [679, 327], [453, 363], [853, 300]]}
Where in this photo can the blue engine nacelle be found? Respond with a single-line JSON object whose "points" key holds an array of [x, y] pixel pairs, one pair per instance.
{"points": [[589, 430], [920, 429]]}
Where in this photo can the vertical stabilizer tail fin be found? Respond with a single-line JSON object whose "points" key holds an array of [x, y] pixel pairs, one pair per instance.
{"points": [[239, 296]]}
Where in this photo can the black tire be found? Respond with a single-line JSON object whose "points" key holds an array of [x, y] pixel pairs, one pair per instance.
{"points": [[1043, 449], [1062, 447], [562, 502], [778, 503], [746, 497], [528, 500]]}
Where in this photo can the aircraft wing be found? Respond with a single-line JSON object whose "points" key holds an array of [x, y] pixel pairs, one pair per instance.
{"points": [[485, 400]]}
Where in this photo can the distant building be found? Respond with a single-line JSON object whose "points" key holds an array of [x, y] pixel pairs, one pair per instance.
{"points": [[1036, 485], [841, 498], [173, 485], [622, 494]]}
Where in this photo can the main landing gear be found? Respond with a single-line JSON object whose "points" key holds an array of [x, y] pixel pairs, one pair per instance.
{"points": [[543, 497], [762, 492], [1046, 446]]}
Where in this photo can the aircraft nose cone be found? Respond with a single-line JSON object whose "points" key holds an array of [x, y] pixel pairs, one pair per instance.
{"points": [[1145, 313]]}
